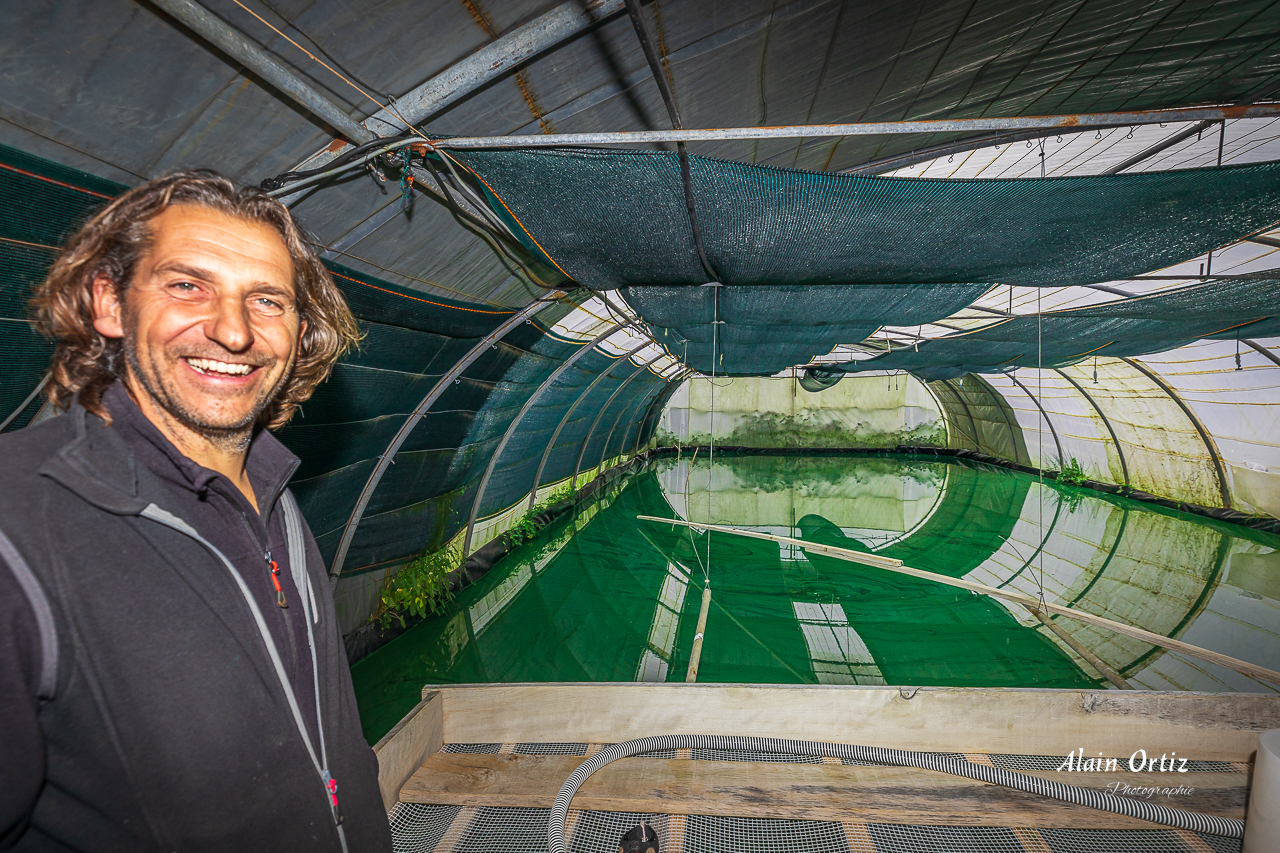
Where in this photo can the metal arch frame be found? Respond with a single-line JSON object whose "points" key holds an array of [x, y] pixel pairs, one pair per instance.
{"points": [[221, 35], [411, 422], [546, 453], [587, 440], [22, 407], [1266, 353], [679, 377], [604, 450], [973, 423], [1124, 466], [1015, 429], [1043, 414], [515, 422], [1224, 487]]}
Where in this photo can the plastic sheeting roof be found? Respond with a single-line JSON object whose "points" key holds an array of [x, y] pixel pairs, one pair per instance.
{"points": [[115, 88]]}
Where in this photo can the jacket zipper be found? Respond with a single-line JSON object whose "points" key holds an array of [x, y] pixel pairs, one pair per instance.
{"points": [[173, 522]]}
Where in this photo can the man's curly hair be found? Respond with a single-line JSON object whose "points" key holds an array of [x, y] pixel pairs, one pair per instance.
{"points": [[113, 242]]}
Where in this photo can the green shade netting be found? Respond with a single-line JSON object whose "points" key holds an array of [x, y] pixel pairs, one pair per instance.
{"points": [[1129, 327], [766, 329], [612, 218]]}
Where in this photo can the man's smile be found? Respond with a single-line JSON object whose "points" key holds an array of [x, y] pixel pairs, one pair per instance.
{"points": [[208, 366]]}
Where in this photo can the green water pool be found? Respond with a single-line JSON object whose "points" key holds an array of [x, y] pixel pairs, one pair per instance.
{"points": [[600, 596]]}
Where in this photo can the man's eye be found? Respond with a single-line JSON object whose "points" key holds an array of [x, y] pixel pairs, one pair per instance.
{"points": [[185, 286], [268, 305]]}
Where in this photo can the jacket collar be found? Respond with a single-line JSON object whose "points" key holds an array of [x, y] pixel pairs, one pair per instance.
{"points": [[98, 465]]}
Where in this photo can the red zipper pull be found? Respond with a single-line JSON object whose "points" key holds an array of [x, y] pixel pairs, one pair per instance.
{"points": [[275, 579]]}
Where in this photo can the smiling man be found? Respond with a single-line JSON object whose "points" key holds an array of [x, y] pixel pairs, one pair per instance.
{"points": [[171, 672]]}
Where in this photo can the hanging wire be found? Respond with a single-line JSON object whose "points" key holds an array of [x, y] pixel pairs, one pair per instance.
{"points": [[1040, 439]]}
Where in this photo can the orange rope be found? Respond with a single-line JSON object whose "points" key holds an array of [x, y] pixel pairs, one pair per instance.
{"points": [[52, 181], [416, 298]]}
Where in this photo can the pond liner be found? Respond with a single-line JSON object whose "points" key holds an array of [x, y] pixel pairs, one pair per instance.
{"points": [[369, 637], [1264, 523]]}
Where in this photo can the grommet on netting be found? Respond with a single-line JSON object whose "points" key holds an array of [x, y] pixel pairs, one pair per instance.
{"points": [[1141, 809]]}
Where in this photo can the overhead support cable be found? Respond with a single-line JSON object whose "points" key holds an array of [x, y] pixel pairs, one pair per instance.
{"points": [[1180, 136], [564, 419], [411, 422], [668, 98], [515, 423], [879, 128], [587, 440], [1224, 487], [1124, 466], [255, 59]]}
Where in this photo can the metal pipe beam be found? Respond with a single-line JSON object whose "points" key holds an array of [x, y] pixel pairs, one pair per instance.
{"points": [[1224, 487], [515, 422], [385, 460], [1124, 466], [587, 440], [247, 53], [484, 66], [880, 128], [564, 419], [1163, 144]]}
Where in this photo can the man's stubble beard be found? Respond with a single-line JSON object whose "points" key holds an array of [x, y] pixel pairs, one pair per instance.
{"points": [[235, 437]]}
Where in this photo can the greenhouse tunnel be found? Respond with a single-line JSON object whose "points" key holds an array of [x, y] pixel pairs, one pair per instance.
{"points": [[1040, 358]]}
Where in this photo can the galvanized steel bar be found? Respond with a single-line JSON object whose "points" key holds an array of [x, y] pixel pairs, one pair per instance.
{"points": [[564, 419], [881, 128], [1124, 467], [515, 422], [1224, 488], [485, 65], [587, 440], [385, 460], [263, 64], [492, 61], [1163, 144]]}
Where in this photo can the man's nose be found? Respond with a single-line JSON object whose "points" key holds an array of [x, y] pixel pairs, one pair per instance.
{"points": [[229, 324]]}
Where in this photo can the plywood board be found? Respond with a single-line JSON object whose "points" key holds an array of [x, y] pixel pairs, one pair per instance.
{"points": [[797, 791], [947, 719], [403, 749]]}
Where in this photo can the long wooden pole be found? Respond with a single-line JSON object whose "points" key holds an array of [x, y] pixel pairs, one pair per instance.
{"points": [[695, 656], [1260, 673]]}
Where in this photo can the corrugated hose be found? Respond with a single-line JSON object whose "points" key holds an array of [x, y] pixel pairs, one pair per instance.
{"points": [[1142, 809]]}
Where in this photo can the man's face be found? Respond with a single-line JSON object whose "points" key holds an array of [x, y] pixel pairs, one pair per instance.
{"points": [[209, 322]]}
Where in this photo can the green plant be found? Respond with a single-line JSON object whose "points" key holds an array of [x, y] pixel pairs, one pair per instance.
{"points": [[1071, 475], [419, 589]]}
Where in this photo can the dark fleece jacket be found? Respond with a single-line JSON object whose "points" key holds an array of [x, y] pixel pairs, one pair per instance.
{"points": [[168, 726]]}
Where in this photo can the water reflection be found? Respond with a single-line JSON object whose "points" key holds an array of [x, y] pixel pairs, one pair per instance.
{"points": [[603, 597]]}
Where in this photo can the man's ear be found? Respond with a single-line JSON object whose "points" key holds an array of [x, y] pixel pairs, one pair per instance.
{"points": [[108, 313]]}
